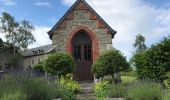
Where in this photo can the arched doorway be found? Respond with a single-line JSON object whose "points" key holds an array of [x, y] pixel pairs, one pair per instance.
{"points": [[94, 43], [83, 56]]}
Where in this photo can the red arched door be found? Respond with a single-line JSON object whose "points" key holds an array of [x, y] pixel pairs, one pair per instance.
{"points": [[83, 56]]}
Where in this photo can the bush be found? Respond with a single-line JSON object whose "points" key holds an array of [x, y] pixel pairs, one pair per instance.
{"points": [[144, 90], [22, 86], [105, 90], [154, 62], [59, 64], [167, 84], [66, 94], [116, 91], [39, 67], [101, 90], [109, 63], [70, 84]]}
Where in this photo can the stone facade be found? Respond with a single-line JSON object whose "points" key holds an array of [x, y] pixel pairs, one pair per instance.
{"points": [[81, 16], [33, 60], [34, 56]]}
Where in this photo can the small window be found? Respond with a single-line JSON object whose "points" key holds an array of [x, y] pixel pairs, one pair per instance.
{"points": [[32, 61], [39, 60]]}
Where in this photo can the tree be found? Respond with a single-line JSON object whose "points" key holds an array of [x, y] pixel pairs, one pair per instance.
{"points": [[154, 62], [59, 64], [140, 43], [19, 34], [1, 44], [139, 46], [109, 63]]}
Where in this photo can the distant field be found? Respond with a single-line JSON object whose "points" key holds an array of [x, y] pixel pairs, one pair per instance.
{"points": [[128, 77]]}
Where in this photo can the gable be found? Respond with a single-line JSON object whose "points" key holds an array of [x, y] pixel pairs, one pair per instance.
{"points": [[69, 15]]}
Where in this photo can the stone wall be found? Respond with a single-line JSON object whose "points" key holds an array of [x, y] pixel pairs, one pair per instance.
{"points": [[27, 61], [81, 18]]}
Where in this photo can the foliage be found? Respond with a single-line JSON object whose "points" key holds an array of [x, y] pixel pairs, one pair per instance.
{"points": [[4, 46], [59, 64], [104, 89], [154, 63], [144, 90], [116, 91], [1, 44], [19, 34], [66, 94], [14, 96], [12, 86], [39, 67], [140, 43], [167, 84], [108, 63], [101, 90], [70, 84]]}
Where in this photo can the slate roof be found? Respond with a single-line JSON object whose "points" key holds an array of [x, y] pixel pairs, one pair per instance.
{"points": [[38, 51], [71, 9]]}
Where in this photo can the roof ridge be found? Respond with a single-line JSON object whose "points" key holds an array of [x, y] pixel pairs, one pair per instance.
{"points": [[38, 47], [71, 8]]}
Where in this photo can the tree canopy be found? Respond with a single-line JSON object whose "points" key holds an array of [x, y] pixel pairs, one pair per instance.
{"points": [[139, 44], [154, 62], [59, 64], [109, 63], [19, 34]]}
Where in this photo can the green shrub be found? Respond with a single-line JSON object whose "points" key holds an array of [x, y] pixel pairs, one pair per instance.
{"points": [[167, 84], [66, 94], [154, 62], [116, 91], [144, 91], [39, 67], [108, 63], [104, 90], [70, 84], [32, 88], [101, 90], [59, 64]]}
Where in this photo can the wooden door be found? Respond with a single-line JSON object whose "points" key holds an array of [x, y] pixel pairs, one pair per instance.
{"points": [[82, 53]]}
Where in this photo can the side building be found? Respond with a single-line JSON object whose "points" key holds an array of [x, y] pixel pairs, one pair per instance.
{"points": [[34, 56]]}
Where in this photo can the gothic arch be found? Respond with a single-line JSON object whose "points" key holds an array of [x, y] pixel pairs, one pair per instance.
{"points": [[92, 36]]}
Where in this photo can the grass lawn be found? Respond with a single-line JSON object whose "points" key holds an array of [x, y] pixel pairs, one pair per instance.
{"points": [[128, 79]]}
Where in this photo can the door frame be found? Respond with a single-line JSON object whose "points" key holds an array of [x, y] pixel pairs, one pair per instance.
{"points": [[92, 36]]}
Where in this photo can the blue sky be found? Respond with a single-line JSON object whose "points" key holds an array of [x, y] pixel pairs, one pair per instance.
{"points": [[150, 18]]}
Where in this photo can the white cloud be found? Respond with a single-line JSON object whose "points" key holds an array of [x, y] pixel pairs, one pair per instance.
{"points": [[2, 36], [8, 2], [45, 4], [41, 36], [129, 18]]}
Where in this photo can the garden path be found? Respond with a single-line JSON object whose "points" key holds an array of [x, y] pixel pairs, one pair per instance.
{"points": [[87, 92]]}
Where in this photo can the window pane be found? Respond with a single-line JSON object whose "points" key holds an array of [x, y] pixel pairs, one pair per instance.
{"points": [[87, 52], [77, 53]]}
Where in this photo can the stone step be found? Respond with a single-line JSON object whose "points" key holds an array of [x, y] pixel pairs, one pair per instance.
{"points": [[86, 92]]}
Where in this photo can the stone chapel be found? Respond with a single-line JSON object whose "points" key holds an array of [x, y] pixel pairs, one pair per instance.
{"points": [[81, 33]]}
